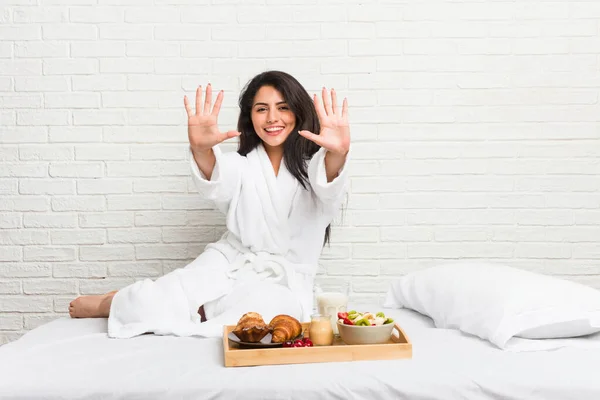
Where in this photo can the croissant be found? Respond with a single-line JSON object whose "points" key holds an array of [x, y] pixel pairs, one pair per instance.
{"points": [[284, 328], [251, 328]]}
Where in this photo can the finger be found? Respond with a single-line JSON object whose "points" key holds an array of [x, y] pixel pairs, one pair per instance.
{"points": [[232, 134], [218, 103], [228, 135], [312, 137], [326, 101], [319, 107], [188, 109], [345, 108], [334, 101], [198, 99], [208, 100]]}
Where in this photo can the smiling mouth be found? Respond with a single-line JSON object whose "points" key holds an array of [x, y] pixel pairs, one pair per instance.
{"points": [[274, 131]]}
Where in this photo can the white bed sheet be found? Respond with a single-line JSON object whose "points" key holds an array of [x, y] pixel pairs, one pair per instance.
{"points": [[74, 359]]}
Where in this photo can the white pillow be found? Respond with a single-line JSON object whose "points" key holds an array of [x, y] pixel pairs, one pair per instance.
{"points": [[497, 303]]}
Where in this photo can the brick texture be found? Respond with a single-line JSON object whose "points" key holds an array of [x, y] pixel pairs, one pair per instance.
{"points": [[475, 125]]}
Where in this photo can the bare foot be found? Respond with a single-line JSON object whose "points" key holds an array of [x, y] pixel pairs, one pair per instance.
{"points": [[97, 306]]}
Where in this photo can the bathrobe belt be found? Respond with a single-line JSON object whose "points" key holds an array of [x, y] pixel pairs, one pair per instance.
{"points": [[267, 266]]}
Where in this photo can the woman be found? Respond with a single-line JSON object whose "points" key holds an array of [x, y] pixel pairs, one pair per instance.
{"points": [[279, 192]]}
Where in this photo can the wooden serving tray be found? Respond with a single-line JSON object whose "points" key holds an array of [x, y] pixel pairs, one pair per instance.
{"points": [[399, 346]]}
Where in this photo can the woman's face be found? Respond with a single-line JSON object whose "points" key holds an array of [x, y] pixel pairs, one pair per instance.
{"points": [[271, 116]]}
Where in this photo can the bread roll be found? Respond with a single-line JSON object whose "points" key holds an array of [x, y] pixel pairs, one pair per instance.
{"points": [[251, 328]]}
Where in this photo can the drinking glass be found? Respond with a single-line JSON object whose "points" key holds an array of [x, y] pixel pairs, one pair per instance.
{"points": [[332, 299], [320, 331]]}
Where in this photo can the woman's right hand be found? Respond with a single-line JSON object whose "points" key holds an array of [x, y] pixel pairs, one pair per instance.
{"points": [[203, 129]]}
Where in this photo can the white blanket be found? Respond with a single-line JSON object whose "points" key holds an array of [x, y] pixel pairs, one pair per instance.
{"points": [[74, 359], [266, 262]]}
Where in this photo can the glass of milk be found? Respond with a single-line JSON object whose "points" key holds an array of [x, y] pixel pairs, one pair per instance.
{"points": [[332, 299]]}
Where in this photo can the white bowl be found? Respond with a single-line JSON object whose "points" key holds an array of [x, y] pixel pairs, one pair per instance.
{"points": [[353, 334]]}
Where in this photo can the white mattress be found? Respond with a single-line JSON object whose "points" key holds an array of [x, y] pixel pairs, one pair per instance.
{"points": [[74, 359]]}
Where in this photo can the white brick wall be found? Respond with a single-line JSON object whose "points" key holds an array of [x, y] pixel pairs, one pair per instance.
{"points": [[476, 129]]}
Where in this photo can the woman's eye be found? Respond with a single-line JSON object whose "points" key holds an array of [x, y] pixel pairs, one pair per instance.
{"points": [[260, 109], [285, 108]]}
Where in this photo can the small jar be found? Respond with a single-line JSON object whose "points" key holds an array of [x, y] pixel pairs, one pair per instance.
{"points": [[320, 330]]}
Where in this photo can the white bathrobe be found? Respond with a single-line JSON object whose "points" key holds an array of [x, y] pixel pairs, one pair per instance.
{"points": [[265, 262]]}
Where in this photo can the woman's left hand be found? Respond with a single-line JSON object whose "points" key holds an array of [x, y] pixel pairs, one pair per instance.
{"points": [[335, 131]]}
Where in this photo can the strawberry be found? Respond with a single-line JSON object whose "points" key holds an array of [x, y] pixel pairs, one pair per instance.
{"points": [[348, 322], [342, 315]]}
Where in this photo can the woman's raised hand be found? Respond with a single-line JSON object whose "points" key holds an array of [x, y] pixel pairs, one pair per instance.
{"points": [[203, 129], [335, 130]]}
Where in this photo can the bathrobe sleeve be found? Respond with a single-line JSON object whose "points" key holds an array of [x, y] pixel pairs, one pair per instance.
{"points": [[225, 181], [327, 192]]}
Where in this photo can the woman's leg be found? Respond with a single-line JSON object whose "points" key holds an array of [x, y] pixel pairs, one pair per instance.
{"points": [[160, 302], [97, 306]]}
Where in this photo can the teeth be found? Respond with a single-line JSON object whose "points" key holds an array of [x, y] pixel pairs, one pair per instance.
{"points": [[273, 129]]}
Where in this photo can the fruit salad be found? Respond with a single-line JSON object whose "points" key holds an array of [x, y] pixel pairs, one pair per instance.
{"points": [[363, 319]]}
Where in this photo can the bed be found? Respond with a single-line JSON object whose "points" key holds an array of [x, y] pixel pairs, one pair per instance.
{"points": [[74, 359]]}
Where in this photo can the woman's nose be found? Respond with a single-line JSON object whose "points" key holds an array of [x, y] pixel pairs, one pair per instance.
{"points": [[272, 116]]}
